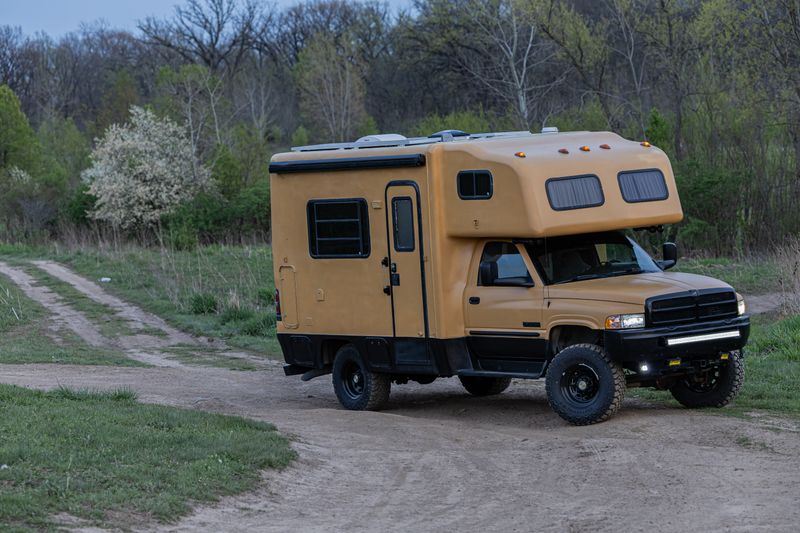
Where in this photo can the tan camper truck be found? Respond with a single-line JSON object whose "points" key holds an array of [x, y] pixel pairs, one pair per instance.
{"points": [[491, 257]]}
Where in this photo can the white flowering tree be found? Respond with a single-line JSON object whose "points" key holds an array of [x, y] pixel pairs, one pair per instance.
{"points": [[143, 170]]}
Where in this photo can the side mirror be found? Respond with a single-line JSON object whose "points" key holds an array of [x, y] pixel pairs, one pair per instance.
{"points": [[487, 273], [670, 253]]}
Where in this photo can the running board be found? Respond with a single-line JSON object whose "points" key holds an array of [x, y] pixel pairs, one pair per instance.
{"points": [[493, 374]]}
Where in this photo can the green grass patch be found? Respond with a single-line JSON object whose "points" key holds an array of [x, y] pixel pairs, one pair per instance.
{"points": [[193, 290], [772, 371], [109, 323], [25, 336], [751, 276], [192, 355], [102, 456]]}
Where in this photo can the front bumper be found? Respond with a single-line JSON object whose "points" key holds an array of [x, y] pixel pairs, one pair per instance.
{"points": [[699, 340]]}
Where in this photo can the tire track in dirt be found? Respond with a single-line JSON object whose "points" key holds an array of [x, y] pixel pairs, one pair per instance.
{"points": [[141, 319]]}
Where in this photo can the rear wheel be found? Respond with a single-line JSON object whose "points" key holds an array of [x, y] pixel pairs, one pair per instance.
{"points": [[583, 385], [716, 387], [481, 386], [356, 387]]}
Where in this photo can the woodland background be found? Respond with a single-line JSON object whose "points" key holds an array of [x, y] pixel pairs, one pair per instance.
{"points": [[714, 83]]}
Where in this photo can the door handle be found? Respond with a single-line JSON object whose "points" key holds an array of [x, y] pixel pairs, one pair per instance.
{"points": [[474, 300], [394, 279], [387, 290]]}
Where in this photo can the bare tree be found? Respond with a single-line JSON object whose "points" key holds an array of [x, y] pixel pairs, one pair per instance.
{"points": [[331, 87], [214, 33]]}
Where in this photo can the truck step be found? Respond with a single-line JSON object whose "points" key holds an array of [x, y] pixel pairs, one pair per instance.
{"points": [[494, 374]]}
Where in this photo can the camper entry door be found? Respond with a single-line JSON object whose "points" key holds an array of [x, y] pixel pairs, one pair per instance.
{"points": [[405, 258]]}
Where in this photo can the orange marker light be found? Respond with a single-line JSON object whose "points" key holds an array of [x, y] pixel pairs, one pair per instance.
{"points": [[563, 151], [646, 144], [520, 154], [605, 147], [585, 149]]}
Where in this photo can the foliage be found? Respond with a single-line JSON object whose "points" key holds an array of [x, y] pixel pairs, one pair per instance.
{"points": [[203, 304], [143, 170], [110, 456]]}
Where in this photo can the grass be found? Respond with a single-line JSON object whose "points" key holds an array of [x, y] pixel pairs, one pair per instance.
{"points": [[772, 371], [106, 458], [217, 291], [108, 322], [750, 276], [25, 337]]}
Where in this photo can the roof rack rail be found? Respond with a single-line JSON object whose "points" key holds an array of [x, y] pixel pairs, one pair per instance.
{"points": [[394, 140]]}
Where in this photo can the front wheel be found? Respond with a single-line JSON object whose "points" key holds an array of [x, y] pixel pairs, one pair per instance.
{"points": [[716, 387], [583, 385], [356, 387]]}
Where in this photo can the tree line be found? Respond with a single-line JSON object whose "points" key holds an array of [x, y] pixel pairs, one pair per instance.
{"points": [[715, 83]]}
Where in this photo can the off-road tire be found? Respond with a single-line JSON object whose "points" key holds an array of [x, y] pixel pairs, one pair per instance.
{"points": [[729, 380], [574, 367], [482, 386], [368, 392]]}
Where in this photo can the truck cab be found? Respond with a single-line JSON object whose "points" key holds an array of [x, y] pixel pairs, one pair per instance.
{"points": [[491, 257]]}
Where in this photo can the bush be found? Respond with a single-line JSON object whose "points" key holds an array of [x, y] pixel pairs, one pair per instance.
{"points": [[235, 314], [260, 325], [203, 304], [265, 296]]}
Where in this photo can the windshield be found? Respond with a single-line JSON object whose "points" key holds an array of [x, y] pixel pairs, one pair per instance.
{"points": [[589, 256]]}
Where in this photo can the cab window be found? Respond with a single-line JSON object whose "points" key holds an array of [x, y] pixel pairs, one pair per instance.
{"points": [[502, 266]]}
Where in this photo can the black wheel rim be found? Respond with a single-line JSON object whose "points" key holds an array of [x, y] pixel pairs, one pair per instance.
{"points": [[580, 384], [354, 382]]}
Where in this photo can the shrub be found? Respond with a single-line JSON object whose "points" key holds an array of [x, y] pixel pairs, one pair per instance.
{"points": [[260, 325], [203, 304], [235, 314], [265, 296]]}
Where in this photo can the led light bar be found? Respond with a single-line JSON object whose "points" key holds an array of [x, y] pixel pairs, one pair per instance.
{"points": [[702, 338]]}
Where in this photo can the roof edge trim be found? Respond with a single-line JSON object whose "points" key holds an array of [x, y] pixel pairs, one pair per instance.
{"points": [[347, 163]]}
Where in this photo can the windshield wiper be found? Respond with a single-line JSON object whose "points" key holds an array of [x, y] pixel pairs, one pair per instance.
{"points": [[580, 277]]}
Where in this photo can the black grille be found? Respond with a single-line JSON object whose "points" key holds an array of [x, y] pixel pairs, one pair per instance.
{"points": [[692, 306]]}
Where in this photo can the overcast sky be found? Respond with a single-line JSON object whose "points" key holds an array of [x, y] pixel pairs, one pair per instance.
{"points": [[58, 17]]}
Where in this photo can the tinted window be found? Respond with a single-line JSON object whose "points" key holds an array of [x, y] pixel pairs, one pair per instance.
{"points": [[403, 221], [643, 186], [588, 256], [338, 228], [506, 263], [475, 185], [574, 192]]}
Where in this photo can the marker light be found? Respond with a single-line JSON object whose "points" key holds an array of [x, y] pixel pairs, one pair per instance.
{"points": [[646, 144], [585, 149], [563, 151], [605, 147], [644, 368], [520, 154], [625, 321]]}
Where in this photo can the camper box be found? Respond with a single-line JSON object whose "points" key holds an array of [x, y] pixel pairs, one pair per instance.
{"points": [[416, 255]]}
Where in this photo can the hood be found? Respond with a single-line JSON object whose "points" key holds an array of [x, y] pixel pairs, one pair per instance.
{"points": [[634, 288]]}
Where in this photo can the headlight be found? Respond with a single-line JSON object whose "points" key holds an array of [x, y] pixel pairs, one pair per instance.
{"points": [[625, 321], [742, 307]]}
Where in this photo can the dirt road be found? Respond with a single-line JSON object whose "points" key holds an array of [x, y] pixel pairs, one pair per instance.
{"points": [[439, 460]]}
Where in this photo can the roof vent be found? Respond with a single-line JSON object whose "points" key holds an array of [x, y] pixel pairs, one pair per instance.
{"points": [[447, 135], [382, 137], [550, 129]]}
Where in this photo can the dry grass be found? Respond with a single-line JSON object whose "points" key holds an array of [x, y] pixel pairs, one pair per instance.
{"points": [[787, 259]]}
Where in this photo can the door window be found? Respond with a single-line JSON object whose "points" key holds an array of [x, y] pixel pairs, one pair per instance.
{"points": [[502, 265], [403, 223]]}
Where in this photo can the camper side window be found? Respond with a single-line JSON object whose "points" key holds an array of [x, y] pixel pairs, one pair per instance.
{"points": [[475, 185], [338, 228], [502, 266]]}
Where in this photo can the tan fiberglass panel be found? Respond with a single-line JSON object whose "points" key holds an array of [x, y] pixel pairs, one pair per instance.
{"points": [[519, 206]]}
